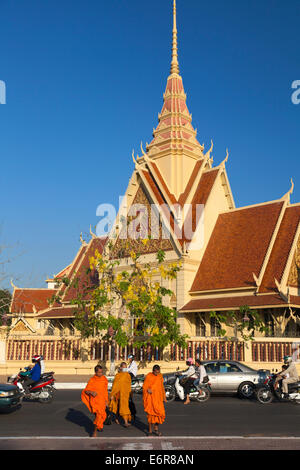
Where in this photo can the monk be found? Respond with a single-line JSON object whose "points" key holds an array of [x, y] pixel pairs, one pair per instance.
{"points": [[154, 397], [120, 394], [95, 397]]}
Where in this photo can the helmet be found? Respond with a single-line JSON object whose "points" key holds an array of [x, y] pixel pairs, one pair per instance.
{"points": [[190, 360], [36, 358], [131, 356], [287, 359]]}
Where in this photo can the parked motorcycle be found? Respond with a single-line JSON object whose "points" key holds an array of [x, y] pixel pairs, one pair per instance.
{"points": [[42, 390], [137, 383], [266, 393], [199, 393]]}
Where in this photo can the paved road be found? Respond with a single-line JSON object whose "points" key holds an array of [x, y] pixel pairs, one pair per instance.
{"points": [[222, 422]]}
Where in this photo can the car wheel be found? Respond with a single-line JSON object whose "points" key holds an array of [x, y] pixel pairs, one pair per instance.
{"points": [[170, 393], [264, 395], [246, 390]]}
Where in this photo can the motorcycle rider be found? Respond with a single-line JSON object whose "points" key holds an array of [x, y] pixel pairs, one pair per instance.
{"points": [[200, 372], [190, 375], [133, 367], [34, 374], [292, 375]]}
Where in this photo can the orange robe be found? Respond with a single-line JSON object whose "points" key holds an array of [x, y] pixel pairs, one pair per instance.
{"points": [[154, 402], [96, 404], [119, 395]]}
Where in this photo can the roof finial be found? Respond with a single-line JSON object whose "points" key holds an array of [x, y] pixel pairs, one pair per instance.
{"points": [[174, 63]]}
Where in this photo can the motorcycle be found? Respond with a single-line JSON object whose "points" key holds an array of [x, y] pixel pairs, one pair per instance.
{"points": [[199, 393], [42, 390], [137, 383], [266, 393]]}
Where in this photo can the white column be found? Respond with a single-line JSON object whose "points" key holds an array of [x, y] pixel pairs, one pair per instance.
{"points": [[3, 345]]}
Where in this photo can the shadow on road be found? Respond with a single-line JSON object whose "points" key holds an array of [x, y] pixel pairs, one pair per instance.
{"points": [[138, 424], [79, 418]]}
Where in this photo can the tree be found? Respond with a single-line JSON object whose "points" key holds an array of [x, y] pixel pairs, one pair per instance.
{"points": [[126, 306], [5, 300], [243, 323]]}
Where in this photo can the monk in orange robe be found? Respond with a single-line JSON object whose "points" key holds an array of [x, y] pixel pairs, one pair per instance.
{"points": [[95, 397], [154, 397], [120, 394]]}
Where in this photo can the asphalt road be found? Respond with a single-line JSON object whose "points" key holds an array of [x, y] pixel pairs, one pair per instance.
{"points": [[222, 422]]}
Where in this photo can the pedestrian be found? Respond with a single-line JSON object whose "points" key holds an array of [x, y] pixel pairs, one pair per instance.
{"points": [[95, 397], [120, 396], [154, 398], [189, 377]]}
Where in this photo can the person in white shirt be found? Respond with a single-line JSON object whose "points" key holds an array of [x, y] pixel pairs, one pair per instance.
{"points": [[133, 367], [200, 372], [191, 375]]}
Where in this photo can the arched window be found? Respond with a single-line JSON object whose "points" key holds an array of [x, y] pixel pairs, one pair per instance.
{"points": [[200, 325]]}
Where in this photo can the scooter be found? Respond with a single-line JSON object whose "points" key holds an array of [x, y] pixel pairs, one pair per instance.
{"points": [[267, 392], [137, 383], [42, 390], [199, 393]]}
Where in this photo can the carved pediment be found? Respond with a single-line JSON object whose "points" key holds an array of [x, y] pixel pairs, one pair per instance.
{"points": [[141, 227], [22, 327], [294, 276]]}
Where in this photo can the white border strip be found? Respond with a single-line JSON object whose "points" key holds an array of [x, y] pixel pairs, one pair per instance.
{"points": [[132, 438]]}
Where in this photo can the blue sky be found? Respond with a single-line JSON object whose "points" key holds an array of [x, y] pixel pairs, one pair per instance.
{"points": [[84, 82]]}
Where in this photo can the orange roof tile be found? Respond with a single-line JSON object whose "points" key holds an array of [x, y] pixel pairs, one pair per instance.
{"points": [[281, 249], [232, 303], [80, 269], [60, 312], [24, 300], [237, 248]]}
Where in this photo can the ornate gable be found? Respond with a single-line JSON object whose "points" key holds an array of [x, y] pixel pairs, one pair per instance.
{"points": [[294, 276], [22, 327], [140, 224]]}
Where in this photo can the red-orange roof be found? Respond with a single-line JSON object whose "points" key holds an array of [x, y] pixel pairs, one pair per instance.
{"points": [[60, 312], [237, 248], [281, 249], [234, 302], [24, 300], [79, 270]]}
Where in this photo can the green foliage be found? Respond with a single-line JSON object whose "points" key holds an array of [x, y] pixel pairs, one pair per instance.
{"points": [[103, 310], [245, 322], [5, 300]]}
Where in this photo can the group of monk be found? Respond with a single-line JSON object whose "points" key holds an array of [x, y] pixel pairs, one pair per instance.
{"points": [[99, 402]]}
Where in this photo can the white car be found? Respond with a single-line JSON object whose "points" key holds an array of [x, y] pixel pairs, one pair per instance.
{"points": [[233, 377]]}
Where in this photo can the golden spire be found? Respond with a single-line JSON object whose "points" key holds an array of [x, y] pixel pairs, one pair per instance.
{"points": [[174, 63]]}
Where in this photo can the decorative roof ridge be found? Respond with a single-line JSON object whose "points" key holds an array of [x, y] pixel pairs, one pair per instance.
{"points": [[270, 247]]}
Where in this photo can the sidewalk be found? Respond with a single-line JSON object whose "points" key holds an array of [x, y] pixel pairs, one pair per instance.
{"points": [[63, 382]]}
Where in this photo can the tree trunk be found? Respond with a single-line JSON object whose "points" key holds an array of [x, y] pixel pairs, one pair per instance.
{"points": [[112, 358]]}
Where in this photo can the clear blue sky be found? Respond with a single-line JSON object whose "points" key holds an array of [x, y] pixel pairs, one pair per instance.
{"points": [[84, 82]]}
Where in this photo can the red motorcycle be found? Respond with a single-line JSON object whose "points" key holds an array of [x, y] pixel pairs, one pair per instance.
{"points": [[42, 390]]}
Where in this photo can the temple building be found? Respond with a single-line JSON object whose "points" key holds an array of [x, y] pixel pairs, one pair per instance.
{"points": [[230, 256]]}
